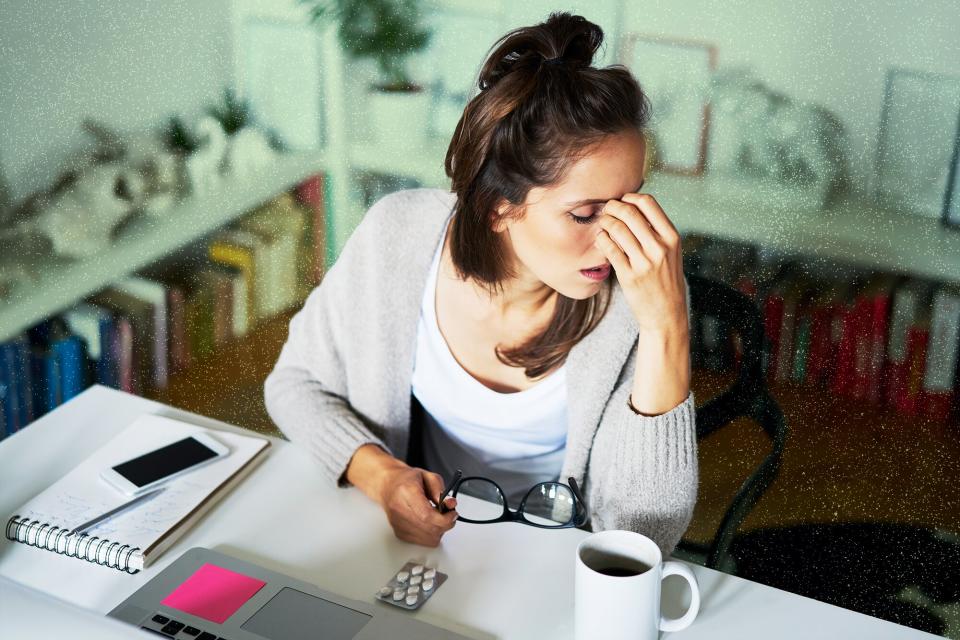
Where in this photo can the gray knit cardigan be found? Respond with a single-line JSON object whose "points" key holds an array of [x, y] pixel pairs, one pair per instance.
{"points": [[343, 378]]}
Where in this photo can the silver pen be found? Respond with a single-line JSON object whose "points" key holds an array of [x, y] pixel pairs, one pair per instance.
{"points": [[116, 511]]}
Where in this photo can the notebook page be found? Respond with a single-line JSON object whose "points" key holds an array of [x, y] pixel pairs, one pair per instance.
{"points": [[82, 495]]}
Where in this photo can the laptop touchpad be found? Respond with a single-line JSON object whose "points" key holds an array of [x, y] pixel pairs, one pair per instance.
{"points": [[294, 615]]}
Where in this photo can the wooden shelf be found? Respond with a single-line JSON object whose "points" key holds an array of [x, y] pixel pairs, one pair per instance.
{"points": [[854, 232], [843, 462], [858, 233], [60, 282]]}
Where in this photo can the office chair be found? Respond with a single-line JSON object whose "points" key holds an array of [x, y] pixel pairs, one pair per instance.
{"points": [[747, 397]]}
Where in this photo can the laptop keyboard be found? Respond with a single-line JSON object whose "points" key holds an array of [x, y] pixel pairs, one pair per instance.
{"points": [[164, 626]]}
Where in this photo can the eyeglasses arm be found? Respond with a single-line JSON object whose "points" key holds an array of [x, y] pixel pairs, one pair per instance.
{"points": [[443, 494], [578, 520]]}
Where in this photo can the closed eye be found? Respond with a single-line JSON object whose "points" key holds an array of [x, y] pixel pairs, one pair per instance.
{"points": [[582, 219]]}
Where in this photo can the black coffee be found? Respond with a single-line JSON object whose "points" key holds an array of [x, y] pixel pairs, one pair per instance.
{"points": [[625, 572]]}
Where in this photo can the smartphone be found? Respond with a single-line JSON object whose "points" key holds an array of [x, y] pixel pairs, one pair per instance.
{"points": [[145, 472]]}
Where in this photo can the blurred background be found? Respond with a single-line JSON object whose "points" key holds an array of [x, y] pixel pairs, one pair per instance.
{"points": [[175, 177]]}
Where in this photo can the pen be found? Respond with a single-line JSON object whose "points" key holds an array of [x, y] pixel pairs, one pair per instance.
{"points": [[113, 512]]}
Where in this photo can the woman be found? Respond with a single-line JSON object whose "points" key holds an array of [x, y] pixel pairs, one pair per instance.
{"points": [[478, 306]]}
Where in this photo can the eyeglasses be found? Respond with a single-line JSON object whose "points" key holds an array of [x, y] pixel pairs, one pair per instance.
{"points": [[548, 505]]}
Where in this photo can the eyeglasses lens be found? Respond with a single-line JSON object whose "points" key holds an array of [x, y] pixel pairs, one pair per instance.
{"points": [[549, 504], [490, 504]]}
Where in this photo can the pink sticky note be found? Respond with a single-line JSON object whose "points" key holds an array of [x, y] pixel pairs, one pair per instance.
{"points": [[213, 593]]}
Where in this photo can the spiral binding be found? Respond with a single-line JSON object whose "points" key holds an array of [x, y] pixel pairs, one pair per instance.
{"points": [[38, 534]]}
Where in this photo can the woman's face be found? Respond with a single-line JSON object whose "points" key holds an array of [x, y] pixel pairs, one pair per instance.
{"points": [[550, 246]]}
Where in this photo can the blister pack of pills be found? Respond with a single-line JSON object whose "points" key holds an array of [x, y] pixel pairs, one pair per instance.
{"points": [[410, 587]]}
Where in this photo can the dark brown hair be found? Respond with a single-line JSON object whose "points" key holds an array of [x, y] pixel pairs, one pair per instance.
{"points": [[527, 125]]}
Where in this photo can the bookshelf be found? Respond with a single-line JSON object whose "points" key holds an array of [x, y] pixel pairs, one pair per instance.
{"points": [[60, 282]]}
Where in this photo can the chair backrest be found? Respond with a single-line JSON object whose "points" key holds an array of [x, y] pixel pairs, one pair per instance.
{"points": [[747, 397]]}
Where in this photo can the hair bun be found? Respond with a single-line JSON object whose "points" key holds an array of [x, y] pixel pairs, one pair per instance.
{"points": [[571, 38], [577, 39]]}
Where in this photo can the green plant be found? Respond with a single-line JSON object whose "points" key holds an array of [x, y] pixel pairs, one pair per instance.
{"points": [[385, 30], [233, 114], [178, 137]]}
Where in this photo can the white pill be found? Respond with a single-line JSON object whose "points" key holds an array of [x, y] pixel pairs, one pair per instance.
{"points": [[416, 579], [412, 600], [398, 594], [429, 574], [403, 576], [417, 569], [427, 585], [413, 590], [386, 591]]}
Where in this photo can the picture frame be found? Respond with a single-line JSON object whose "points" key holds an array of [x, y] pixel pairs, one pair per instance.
{"points": [[675, 73], [916, 140], [951, 199]]}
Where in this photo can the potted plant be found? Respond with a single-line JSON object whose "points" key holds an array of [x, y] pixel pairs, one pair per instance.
{"points": [[387, 31]]}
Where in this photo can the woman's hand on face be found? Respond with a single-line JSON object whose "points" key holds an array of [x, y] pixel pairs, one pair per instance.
{"points": [[406, 499], [644, 248]]}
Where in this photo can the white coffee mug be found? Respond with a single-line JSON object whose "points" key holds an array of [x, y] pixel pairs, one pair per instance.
{"points": [[617, 588]]}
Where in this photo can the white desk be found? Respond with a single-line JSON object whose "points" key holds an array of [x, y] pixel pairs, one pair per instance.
{"points": [[506, 580]]}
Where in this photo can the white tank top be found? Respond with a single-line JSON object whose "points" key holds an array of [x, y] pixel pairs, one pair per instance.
{"points": [[516, 439]]}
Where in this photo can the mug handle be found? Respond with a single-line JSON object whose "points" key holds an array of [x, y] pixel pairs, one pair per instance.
{"points": [[672, 568]]}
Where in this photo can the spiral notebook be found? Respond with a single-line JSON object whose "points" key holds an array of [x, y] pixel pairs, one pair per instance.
{"points": [[133, 539]]}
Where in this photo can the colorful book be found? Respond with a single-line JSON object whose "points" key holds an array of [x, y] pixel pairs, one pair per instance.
{"points": [[72, 364], [154, 293], [905, 308], [847, 329], [918, 338], [16, 389], [235, 296], [280, 226], [95, 326], [219, 279], [240, 249], [199, 316], [311, 194], [941, 364], [802, 332], [797, 289], [177, 322], [872, 319], [123, 347], [178, 281], [773, 312], [821, 363], [58, 364], [142, 316]]}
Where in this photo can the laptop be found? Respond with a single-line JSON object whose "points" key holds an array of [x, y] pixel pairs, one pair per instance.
{"points": [[207, 595], [41, 615]]}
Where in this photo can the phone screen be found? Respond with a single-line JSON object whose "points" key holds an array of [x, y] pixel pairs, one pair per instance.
{"points": [[165, 461]]}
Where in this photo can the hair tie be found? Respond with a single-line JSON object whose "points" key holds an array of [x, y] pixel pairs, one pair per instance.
{"points": [[557, 60]]}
